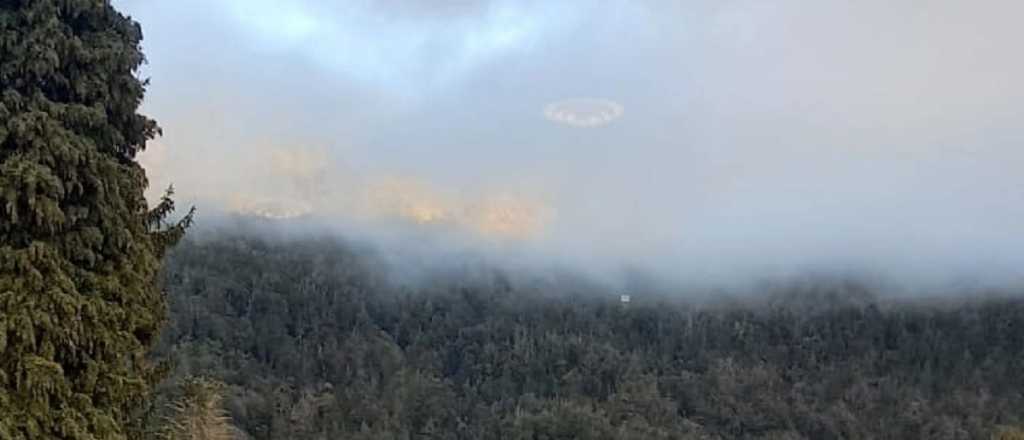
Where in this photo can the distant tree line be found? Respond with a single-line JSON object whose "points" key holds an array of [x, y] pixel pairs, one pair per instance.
{"points": [[314, 340]]}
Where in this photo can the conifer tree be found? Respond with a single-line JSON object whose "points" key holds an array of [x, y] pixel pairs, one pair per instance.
{"points": [[79, 246]]}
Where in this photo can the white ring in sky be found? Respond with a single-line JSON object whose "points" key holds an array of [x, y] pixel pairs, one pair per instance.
{"points": [[583, 112]]}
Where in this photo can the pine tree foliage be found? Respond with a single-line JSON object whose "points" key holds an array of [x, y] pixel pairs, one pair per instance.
{"points": [[79, 246]]}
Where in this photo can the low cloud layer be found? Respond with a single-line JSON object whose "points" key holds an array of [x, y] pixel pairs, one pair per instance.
{"points": [[735, 139]]}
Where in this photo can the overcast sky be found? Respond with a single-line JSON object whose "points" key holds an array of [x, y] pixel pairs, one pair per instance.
{"points": [[753, 136]]}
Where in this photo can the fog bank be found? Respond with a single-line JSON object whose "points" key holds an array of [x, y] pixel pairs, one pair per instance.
{"points": [[699, 141]]}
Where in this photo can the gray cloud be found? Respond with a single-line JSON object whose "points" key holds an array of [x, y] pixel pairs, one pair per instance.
{"points": [[760, 138]]}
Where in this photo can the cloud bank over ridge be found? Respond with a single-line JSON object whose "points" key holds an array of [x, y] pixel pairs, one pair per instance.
{"points": [[756, 138]]}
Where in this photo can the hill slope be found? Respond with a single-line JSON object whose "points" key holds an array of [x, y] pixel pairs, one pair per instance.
{"points": [[316, 341]]}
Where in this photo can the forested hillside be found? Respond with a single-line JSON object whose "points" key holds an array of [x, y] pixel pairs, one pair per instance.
{"points": [[316, 340]]}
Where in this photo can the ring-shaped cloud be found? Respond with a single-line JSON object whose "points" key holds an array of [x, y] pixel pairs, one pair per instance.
{"points": [[583, 112]]}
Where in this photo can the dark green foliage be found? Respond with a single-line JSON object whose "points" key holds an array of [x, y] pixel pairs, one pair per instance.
{"points": [[314, 343], [79, 248]]}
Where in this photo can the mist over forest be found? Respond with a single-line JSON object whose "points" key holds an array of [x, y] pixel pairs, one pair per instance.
{"points": [[422, 228], [322, 338], [511, 220], [705, 142]]}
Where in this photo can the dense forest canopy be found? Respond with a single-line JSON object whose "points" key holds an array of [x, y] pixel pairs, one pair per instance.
{"points": [[315, 338]]}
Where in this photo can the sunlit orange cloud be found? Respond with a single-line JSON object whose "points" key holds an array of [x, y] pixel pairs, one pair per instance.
{"points": [[296, 182], [407, 198], [498, 215], [509, 216]]}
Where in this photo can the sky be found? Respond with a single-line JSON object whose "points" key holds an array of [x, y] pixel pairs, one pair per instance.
{"points": [[701, 140]]}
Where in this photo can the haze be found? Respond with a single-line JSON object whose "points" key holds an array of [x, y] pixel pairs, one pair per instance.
{"points": [[752, 138]]}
